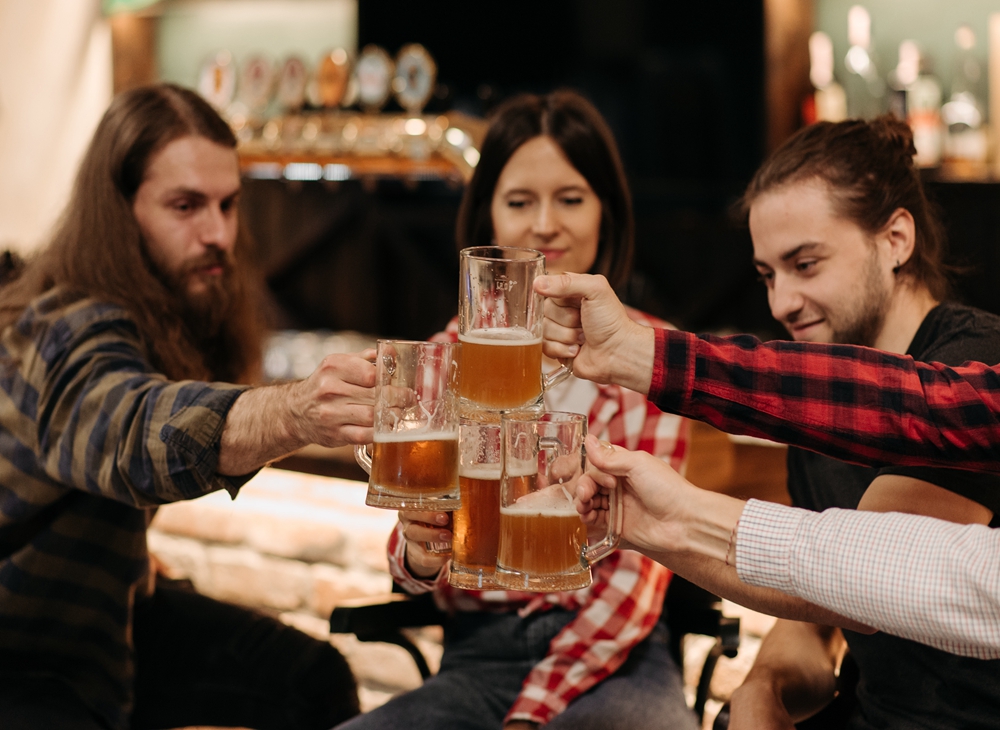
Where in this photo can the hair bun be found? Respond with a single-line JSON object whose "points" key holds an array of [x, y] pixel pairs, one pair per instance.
{"points": [[896, 134]]}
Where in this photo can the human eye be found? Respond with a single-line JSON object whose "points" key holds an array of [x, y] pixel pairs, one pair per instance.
{"points": [[571, 199], [806, 266], [182, 206], [517, 203], [229, 204], [765, 276]]}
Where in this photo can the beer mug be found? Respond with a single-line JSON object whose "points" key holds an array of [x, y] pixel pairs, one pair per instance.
{"points": [[476, 524], [414, 459], [543, 543], [500, 320]]}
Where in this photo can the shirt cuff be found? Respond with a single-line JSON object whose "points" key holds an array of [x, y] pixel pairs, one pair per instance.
{"points": [[193, 433], [765, 539], [673, 369]]}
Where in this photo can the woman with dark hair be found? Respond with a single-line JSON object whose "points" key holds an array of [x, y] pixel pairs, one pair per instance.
{"points": [[549, 178]]}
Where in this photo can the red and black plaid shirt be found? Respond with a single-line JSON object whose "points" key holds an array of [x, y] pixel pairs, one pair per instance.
{"points": [[852, 403]]}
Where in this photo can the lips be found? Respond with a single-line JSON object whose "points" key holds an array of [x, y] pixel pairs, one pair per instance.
{"points": [[801, 328]]}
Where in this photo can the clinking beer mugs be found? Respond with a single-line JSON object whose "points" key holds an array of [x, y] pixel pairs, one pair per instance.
{"points": [[414, 464]]}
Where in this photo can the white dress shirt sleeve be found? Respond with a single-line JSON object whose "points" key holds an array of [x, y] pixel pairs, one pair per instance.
{"points": [[915, 577]]}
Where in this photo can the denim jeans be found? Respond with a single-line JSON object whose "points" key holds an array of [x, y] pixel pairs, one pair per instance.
{"points": [[486, 660], [202, 662]]}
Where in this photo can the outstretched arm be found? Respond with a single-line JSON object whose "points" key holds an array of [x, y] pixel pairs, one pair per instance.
{"points": [[851, 403], [331, 407]]}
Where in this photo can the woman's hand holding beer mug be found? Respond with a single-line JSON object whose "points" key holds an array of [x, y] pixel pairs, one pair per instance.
{"points": [[419, 529]]}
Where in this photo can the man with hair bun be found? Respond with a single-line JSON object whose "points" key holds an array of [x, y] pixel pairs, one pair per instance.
{"points": [[119, 344], [851, 254]]}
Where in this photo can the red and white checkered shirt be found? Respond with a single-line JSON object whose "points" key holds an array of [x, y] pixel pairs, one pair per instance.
{"points": [[625, 600], [916, 577]]}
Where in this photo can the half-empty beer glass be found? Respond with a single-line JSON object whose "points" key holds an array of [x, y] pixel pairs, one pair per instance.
{"points": [[543, 544], [414, 459], [476, 524], [500, 322]]}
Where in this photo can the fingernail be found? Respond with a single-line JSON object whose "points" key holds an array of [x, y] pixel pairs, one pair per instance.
{"points": [[442, 519], [607, 445], [445, 537], [574, 350]]}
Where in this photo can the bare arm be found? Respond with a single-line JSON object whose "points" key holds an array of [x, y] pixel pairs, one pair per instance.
{"points": [[332, 407], [792, 678]]}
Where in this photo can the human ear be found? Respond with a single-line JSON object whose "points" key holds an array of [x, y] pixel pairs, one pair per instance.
{"points": [[900, 233]]}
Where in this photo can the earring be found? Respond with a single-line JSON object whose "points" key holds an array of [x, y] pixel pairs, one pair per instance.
{"points": [[897, 267]]}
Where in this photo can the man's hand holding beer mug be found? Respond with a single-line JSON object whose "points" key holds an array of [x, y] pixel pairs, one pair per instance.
{"points": [[420, 529]]}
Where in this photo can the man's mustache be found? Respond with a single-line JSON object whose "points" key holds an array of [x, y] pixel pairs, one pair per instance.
{"points": [[211, 258]]}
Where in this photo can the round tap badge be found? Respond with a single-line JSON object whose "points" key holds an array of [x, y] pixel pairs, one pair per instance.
{"points": [[332, 75], [217, 80], [292, 81], [374, 71], [415, 76], [256, 83]]}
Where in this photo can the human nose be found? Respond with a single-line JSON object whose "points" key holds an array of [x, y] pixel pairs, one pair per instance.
{"points": [[545, 225], [219, 228], [785, 299]]}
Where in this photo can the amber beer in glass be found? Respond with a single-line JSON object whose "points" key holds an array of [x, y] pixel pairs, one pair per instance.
{"points": [[476, 524], [500, 320], [543, 544], [414, 458]]}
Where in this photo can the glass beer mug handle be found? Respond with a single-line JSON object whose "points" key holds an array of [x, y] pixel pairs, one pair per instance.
{"points": [[555, 377], [363, 458], [616, 515]]}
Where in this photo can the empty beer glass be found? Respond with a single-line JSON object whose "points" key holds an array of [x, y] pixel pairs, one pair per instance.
{"points": [[500, 321], [543, 544], [414, 459], [476, 524]]}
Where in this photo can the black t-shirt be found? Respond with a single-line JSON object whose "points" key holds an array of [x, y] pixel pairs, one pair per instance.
{"points": [[905, 684]]}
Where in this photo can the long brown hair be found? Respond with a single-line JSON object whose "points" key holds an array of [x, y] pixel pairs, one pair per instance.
{"points": [[581, 133], [868, 166], [97, 249]]}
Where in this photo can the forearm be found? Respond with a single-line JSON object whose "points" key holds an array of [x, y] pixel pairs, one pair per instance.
{"points": [[851, 403], [795, 667], [722, 580], [922, 584], [261, 427]]}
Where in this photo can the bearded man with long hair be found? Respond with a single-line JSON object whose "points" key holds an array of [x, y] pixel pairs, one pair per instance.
{"points": [[126, 350]]}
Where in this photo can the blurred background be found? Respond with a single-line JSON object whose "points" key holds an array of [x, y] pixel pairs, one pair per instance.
{"points": [[354, 217]]}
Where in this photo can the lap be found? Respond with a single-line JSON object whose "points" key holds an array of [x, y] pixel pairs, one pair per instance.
{"points": [[204, 662], [647, 691], [485, 663]]}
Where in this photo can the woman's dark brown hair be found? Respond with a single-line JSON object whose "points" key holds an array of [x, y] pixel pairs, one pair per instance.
{"points": [[869, 169], [97, 249], [578, 129]]}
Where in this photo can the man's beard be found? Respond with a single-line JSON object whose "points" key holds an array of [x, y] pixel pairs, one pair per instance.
{"points": [[205, 313], [864, 324]]}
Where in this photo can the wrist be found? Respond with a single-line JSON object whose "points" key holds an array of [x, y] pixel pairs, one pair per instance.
{"points": [[632, 363], [711, 525]]}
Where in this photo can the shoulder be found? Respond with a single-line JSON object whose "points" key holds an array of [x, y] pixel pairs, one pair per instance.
{"points": [[955, 333], [58, 321], [647, 319]]}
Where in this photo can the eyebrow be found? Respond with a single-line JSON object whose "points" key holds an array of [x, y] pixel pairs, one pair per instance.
{"points": [[198, 194], [788, 255]]}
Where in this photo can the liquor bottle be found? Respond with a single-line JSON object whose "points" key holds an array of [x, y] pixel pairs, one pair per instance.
{"points": [[900, 78], [923, 113], [962, 115], [864, 85], [828, 102]]}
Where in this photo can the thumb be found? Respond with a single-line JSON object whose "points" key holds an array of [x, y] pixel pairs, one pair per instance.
{"points": [[608, 458]]}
